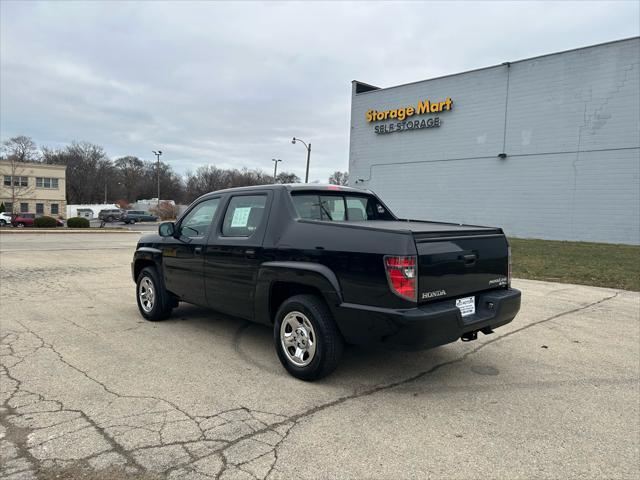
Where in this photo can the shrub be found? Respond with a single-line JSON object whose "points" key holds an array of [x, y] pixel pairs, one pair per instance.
{"points": [[77, 222], [123, 204], [167, 211], [44, 222]]}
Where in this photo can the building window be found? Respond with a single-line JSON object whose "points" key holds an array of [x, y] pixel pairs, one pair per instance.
{"points": [[8, 206], [54, 209], [24, 207], [45, 182], [17, 181], [20, 181], [40, 208]]}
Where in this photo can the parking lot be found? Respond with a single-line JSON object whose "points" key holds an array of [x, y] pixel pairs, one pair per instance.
{"points": [[90, 390]]}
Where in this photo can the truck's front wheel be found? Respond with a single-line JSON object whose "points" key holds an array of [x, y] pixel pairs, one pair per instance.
{"points": [[153, 300], [306, 337]]}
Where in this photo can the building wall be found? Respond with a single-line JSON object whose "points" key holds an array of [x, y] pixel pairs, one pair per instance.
{"points": [[569, 124], [33, 194], [72, 210]]}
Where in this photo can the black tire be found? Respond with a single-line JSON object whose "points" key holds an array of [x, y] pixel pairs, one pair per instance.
{"points": [[3, 222], [162, 302], [20, 225], [109, 219], [329, 342]]}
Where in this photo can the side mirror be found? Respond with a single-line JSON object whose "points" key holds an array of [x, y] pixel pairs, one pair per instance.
{"points": [[167, 229]]}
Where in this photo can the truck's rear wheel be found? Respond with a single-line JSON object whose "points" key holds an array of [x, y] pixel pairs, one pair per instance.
{"points": [[153, 300], [306, 337]]}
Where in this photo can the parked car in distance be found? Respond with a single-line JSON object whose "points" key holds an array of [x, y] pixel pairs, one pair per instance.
{"points": [[324, 266], [5, 218], [27, 220], [110, 215], [23, 219], [133, 216]]}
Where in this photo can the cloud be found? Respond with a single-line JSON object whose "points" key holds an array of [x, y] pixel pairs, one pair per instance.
{"points": [[230, 83]]}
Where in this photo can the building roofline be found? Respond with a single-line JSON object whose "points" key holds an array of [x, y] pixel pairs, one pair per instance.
{"points": [[34, 165], [377, 89]]}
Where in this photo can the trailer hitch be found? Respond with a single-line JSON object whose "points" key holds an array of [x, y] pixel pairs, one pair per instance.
{"points": [[469, 336]]}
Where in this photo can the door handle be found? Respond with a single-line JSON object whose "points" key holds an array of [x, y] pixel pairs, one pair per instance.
{"points": [[197, 250], [470, 260], [250, 253]]}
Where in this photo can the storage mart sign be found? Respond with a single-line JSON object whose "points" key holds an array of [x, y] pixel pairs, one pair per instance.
{"points": [[403, 115]]}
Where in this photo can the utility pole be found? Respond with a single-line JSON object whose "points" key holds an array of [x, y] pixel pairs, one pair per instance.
{"points": [[157, 154], [275, 168], [308, 147]]}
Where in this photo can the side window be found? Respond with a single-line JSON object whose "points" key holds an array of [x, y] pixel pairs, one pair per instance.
{"points": [[243, 215], [198, 220]]}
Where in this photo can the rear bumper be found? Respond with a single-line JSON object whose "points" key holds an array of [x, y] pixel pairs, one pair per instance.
{"points": [[427, 326]]}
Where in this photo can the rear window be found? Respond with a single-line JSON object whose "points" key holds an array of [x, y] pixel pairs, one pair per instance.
{"points": [[339, 207]]}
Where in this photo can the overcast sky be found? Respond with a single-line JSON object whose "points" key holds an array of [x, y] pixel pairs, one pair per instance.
{"points": [[230, 83]]}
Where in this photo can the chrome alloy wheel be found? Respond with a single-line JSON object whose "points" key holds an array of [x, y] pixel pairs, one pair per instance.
{"points": [[146, 294], [298, 339]]}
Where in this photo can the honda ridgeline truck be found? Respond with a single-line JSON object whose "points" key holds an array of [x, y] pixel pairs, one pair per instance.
{"points": [[324, 266]]}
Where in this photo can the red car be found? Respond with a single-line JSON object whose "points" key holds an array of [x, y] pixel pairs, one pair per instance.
{"points": [[26, 220]]}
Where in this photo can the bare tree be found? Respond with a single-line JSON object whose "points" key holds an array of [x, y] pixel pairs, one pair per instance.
{"points": [[339, 178], [17, 151], [287, 177], [130, 171], [20, 187], [88, 170], [20, 149]]}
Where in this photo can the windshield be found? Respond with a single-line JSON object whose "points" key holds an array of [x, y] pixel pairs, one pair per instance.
{"points": [[339, 207]]}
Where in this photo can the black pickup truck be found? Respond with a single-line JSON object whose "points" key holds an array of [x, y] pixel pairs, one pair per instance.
{"points": [[324, 266]]}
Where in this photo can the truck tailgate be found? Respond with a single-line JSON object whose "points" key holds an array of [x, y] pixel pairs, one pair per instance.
{"points": [[459, 264]]}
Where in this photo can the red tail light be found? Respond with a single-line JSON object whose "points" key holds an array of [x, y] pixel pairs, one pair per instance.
{"points": [[402, 273]]}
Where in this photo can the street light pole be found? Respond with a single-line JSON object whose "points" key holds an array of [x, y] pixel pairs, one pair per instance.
{"points": [[308, 147], [275, 168], [157, 154]]}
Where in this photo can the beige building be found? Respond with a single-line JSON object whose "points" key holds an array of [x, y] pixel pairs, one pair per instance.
{"points": [[33, 188]]}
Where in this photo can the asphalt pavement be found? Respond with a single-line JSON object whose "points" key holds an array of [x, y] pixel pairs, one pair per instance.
{"points": [[91, 390]]}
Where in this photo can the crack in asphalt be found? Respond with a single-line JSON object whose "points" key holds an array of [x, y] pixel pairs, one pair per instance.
{"points": [[238, 438]]}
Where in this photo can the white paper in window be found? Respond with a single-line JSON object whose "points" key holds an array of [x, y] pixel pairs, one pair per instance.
{"points": [[240, 217]]}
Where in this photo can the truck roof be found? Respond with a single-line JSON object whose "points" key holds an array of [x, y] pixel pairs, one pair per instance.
{"points": [[291, 187]]}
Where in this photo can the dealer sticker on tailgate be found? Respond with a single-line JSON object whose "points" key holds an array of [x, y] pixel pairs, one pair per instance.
{"points": [[467, 305]]}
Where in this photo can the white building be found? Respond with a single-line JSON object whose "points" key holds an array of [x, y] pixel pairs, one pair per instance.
{"points": [[547, 147]]}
